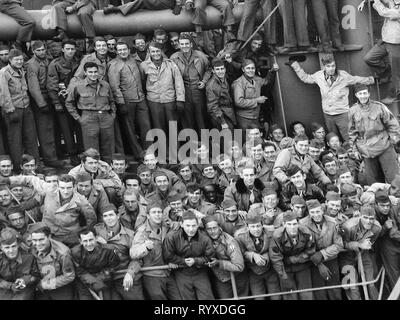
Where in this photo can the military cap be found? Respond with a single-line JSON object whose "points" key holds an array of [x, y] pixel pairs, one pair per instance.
{"points": [[343, 170], [39, 227], [9, 236], [286, 142], [297, 200], [360, 87], [367, 210], [160, 173], [312, 204], [289, 216], [381, 196], [247, 62], [107, 208], [348, 189], [83, 177], [332, 196], [188, 215], [208, 219], [228, 203], [154, 204], [253, 217], [268, 191], [156, 45], [175, 196], [293, 169], [142, 168]]}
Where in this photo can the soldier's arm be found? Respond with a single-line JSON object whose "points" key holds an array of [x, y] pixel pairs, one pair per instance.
{"points": [[383, 11], [391, 124], [52, 85], [169, 252], [139, 249], [5, 96], [114, 81], [336, 246], [178, 82], [209, 254], [32, 73], [240, 100], [276, 257], [67, 273], [236, 262], [88, 213], [303, 76], [71, 101]]}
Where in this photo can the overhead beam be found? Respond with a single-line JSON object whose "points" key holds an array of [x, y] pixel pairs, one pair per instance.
{"points": [[116, 24]]}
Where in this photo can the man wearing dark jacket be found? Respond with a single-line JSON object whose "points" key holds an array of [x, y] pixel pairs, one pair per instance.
{"points": [[299, 186], [36, 69], [219, 100], [290, 251], [93, 263], [192, 250]]}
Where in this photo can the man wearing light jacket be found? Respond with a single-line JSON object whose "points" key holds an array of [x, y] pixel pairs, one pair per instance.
{"points": [[373, 131], [334, 86]]}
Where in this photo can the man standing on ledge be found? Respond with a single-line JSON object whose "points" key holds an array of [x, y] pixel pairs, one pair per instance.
{"points": [[373, 130]]}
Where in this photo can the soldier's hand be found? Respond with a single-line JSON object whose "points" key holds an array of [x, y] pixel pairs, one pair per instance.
{"points": [[149, 244], [261, 99], [180, 106], [365, 244], [275, 67], [128, 282], [258, 259], [44, 109], [122, 109], [58, 108], [317, 258], [325, 273], [12, 117], [389, 224], [213, 263], [228, 57], [173, 266], [14, 288], [98, 285], [242, 214], [201, 85], [20, 283], [69, 9], [361, 5], [287, 284], [224, 126], [189, 262], [177, 10]]}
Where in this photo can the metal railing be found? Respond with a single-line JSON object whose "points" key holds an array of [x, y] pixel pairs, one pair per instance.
{"points": [[381, 275]]}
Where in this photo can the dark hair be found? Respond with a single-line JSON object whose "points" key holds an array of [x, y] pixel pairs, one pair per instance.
{"points": [[90, 64], [68, 41], [131, 176], [26, 158], [159, 32], [293, 124], [51, 172], [99, 39], [268, 144], [118, 156], [92, 153], [326, 60], [191, 187], [42, 229], [121, 43], [86, 231], [66, 178]]}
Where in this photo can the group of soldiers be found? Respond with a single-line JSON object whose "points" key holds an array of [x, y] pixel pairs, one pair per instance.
{"points": [[276, 213]]}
